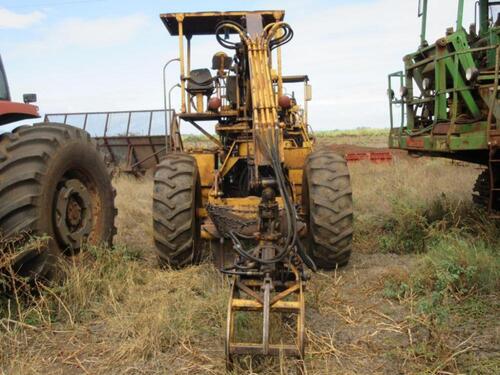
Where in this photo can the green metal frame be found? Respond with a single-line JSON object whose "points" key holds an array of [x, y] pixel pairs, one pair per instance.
{"points": [[451, 97]]}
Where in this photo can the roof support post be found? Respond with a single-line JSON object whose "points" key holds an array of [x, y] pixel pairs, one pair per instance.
{"points": [[180, 19], [188, 68]]}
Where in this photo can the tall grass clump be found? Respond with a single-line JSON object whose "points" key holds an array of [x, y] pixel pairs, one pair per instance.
{"points": [[453, 269], [418, 229], [400, 207], [456, 268], [134, 312], [452, 288]]}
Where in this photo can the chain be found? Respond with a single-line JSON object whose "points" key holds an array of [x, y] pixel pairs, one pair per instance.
{"points": [[227, 221]]}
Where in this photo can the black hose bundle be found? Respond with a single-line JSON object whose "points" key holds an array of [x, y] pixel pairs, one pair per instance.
{"points": [[269, 144], [283, 39], [270, 147], [221, 28]]}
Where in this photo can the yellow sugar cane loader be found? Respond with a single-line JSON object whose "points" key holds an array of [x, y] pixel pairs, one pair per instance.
{"points": [[267, 201]]}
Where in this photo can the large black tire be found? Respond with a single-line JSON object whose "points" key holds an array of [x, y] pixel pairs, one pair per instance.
{"points": [[176, 197], [54, 182], [481, 191], [327, 204]]}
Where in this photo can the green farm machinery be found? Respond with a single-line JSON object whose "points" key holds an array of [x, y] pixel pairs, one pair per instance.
{"points": [[448, 99]]}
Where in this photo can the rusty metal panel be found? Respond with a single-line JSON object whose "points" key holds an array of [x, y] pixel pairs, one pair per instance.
{"points": [[295, 157], [206, 167], [133, 141]]}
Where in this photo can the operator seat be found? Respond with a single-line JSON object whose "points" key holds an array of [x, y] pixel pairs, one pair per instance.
{"points": [[200, 82]]}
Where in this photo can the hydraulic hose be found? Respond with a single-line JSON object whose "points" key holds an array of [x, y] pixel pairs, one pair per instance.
{"points": [[292, 241]]}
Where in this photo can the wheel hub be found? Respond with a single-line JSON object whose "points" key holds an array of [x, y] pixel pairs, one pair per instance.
{"points": [[73, 218]]}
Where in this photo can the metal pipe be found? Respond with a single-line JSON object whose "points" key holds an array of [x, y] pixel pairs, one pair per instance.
{"points": [[401, 76], [188, 68], [171, 113], [165, 94], [128, 123], [483, 17], [150, 122], [180, 19], [460, 15], [280, 68], [104, 113], [105, 126], [389, 94], [306, 103], [423, 13]]}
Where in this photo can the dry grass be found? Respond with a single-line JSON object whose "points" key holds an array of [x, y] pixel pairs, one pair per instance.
{"points": [[117, 313], [376, 187], [134, 222], [413, 187]]}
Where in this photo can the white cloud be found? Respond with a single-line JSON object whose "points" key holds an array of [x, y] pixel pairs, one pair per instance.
{"points": [[12, 20], [93, 33], [99, 32]]}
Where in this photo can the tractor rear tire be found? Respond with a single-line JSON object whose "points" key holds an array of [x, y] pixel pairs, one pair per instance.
{"points": [[327, 203], [54, 183], [481, 191], [176, 197]]}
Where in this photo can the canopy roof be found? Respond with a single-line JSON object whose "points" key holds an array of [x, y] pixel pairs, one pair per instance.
{"points": [[204, 23]]}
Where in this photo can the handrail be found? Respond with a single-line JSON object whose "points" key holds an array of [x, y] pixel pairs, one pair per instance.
{"points": [[172, 114], [108, 118], [393, 101], [165, 95]]}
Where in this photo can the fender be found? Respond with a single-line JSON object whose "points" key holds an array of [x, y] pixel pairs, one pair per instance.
{"points": [[12, 112]]}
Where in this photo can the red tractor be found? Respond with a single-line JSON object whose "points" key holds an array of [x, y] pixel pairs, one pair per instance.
{"points": [[53, 183]]}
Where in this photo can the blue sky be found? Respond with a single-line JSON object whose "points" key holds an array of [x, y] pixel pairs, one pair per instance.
{"points": [[82, 55]]}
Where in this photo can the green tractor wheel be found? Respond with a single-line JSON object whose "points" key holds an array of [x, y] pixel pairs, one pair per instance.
{"points": [[327, 203], [176, 197]]}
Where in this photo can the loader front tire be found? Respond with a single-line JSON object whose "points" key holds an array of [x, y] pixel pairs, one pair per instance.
{"points": [[327, 204], [176, 197], [53, 183]]}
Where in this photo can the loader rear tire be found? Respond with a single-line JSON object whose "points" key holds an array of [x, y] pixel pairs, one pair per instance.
{"points": [[176, 197], [53, 182], [327, 203]]}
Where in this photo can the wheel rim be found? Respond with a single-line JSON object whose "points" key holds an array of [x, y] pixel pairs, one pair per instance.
{"points": [[73, 214]]}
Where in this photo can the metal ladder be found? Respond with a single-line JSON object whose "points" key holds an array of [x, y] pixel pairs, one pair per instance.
{"points": [[494, 145], [494, 178]]}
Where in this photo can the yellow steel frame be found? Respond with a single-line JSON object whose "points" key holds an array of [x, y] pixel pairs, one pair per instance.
{"points": [[264, 115], [256, 295]]}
